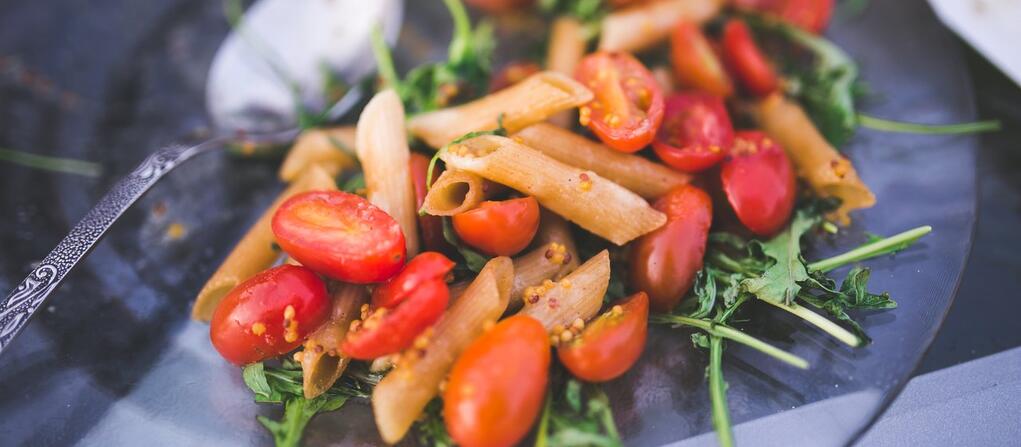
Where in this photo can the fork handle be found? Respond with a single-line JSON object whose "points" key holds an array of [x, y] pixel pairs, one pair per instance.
{"points": [[19, 306]]}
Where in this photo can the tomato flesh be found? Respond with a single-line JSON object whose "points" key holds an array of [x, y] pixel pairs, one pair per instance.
{"points": [[513, 73], [759, 182], [340, 235], [665, 261], [427, 266], [696, 132], [696, 64], [610, 344], [628, 105], [497, 386], [268, 315], [431, 227], [499, 228], [746, 60]]}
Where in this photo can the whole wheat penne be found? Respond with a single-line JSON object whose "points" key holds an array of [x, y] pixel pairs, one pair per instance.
{"points": [[321, 362], [638, 174], [577, 295], [543, 262], [454, 192], [583, 197], [382, 146], [398, 399], [333, 149], [254, 252], [644, 25], [554, 229], [530, 101], [829, 173], [567, 42]]}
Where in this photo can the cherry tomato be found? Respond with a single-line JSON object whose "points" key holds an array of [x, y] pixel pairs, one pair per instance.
{"points": [[340, 235], [628, 104], [611, 344], [498, 385], [499, 228], [665, 261], [696, 132], [499, 6], [402, 309], [268, 315], [759, 182], [746, 60], [695, 63], [513, 73], [431, 227], [811, 15]]}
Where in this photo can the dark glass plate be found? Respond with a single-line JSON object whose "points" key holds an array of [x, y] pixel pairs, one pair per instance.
{"points": [[114, 360]]}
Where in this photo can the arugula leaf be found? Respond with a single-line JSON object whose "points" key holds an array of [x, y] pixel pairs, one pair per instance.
{"points": [[580, 416], [472, 259], [589, 12], [298, 411], [852, 294], [780, 282], [355, 184], [430, 429]]}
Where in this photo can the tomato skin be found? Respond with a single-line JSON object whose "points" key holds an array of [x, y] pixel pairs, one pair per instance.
{"points": [[427, 266], [665, 261], [610, 344], [810, 15], [431, 227], [499, 6], [759, 182], [499, 228], [696, 63], [398, 327], [249, 325], [696, 132], [513, 73], [628, 105], [746, 60], [498, 384], [340, 235]]}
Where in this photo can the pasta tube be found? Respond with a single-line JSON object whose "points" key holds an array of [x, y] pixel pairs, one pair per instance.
{"points": [[455, 192], [544, 262], [578, 295], [583, 197], [333, 149], [321, 363], [829, 173], [254, 252], [553, 228], [530, 101], [567, 44], [382, 146], [398, 399], [638, 174], [644, 25]]}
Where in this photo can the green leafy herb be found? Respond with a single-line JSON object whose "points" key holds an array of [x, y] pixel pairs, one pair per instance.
{"points": [[852, 294], [430, 429], [589, 12], [780, 282], [54, 164], [472, 259], [355, 184], [928, 129], [876, 246], [578, 416]]}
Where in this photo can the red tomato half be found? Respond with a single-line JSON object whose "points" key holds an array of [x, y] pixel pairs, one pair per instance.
{"points": [[513, 73], [402, 309], [695, 63], [499, 228], [610, 344], [497, 386], [696, 132], [340, 235], [759, 182], [811, 15], [499, 6], [431, 227], [628, 104], [746, 60], [665, 261], [269, 314]]}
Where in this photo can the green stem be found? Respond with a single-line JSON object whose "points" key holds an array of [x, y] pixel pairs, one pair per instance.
{"points": [[55, 164], [720, 330], [384, 60], [885, 125], [821, 322], [871, 250], [460, 41], [540, 435], [718, 393]]}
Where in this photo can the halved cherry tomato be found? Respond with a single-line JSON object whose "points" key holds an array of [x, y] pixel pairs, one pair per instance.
{"points": [[499, 6], [759, 182], [431, 227], [628, 104], [811, 15], [402, 309], [664, 262], [611, 344], [269, 314], [497, 386], [746, 60], [499, 228], [696, 132], [340, 235], [513, 73], [695, 63]]}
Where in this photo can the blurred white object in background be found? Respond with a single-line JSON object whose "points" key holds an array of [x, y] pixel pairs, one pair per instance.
{"points": [[993, 27]]}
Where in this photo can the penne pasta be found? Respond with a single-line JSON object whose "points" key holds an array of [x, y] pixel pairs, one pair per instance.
{"points": [[553, 228], [579, 295], [644, 25], [455, 192], [829, 173], [332, 149], [567, 44], [530, 101], [546, 261], [583, 197], [254, 252], [638, 174], [321, 363], [382, 146], [398, 399]]}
